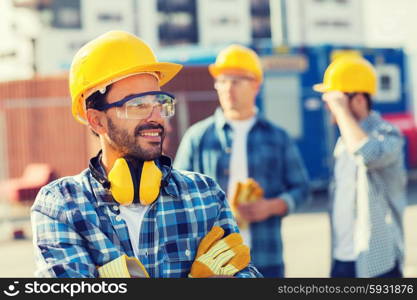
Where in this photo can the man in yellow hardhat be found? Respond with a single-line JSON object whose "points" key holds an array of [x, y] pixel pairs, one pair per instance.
{"points": [[130, 205], [368, 190], [237, 143]]}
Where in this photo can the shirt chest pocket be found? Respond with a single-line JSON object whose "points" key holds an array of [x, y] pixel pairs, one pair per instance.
{"points": [[179, 256]]}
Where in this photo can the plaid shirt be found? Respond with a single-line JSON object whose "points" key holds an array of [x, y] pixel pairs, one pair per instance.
{"points": [[77, 226], [273, 161], [380, 197]]}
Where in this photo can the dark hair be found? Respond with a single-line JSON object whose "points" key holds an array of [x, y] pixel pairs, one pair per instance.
{"points": [[367, 98], [96, 101]]}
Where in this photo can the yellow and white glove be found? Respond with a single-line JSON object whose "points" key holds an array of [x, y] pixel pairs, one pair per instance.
{"points": [[217, 256], [123, 267]]}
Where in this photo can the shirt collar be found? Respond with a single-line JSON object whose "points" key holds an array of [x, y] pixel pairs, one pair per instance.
{"points": [[220, 119], [168, 185], [221, 122], [367, 123]]}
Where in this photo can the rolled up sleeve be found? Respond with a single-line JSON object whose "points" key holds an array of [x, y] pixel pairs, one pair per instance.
{"points": [[381, 149], [296, 178]]}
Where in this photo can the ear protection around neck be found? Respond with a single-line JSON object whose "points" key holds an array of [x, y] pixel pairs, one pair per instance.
{"points": [[130, 180]]}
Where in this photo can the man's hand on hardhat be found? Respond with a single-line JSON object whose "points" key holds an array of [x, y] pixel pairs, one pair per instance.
{"points": [[262, 209], [219, 257], [337, 102]]}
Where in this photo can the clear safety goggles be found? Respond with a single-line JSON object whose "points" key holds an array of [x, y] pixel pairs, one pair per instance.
{"points": [[141, 106]]}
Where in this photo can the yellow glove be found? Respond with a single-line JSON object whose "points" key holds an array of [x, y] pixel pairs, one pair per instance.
{"points": [[217, 256], [123, 267]]}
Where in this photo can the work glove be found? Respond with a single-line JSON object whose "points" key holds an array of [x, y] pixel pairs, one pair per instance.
{"points": [[217, 256], [123, 267], [245, 192]]}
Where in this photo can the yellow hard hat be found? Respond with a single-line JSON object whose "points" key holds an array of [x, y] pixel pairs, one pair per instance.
{"points": [[108, 58], [237, 57], [349, 74]]}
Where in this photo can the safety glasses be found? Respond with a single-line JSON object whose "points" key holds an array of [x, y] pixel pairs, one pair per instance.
{"points": [[141, 106]]}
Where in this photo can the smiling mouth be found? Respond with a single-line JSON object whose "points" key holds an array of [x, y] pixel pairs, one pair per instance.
{"points": [[150, 134], [153, 135]]}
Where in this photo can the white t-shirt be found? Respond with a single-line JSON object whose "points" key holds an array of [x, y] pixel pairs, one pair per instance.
{"points": [[343, 218], [133, 216], [238, 167]]}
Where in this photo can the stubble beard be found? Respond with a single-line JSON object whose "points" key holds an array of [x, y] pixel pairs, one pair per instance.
{"points": [[128, 144]]}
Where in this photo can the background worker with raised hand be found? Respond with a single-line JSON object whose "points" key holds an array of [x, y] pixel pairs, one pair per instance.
{"points": [[368, 190], [237, 143], [130, 207]]}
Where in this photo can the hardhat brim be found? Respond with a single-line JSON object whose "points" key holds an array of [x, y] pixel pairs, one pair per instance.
{"points": [[166, 70], [320, 87], [216, 71]]}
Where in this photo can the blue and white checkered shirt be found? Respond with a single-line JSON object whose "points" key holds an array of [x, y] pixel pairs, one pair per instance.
{"points": [[273, 161], [77, 226], [379, 196]]}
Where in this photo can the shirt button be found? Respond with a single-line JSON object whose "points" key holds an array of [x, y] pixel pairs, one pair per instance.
{"points": [[187, 252], [228, 150], [115, 208], [118, 218], [146, 253], [226, 172]]}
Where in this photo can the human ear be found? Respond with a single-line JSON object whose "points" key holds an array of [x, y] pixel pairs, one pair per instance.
{"points": [[96, 121]]}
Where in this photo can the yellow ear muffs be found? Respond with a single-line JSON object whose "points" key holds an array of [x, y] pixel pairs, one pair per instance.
{"points": [[134, 181], [122, 186], [150, 183]]}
